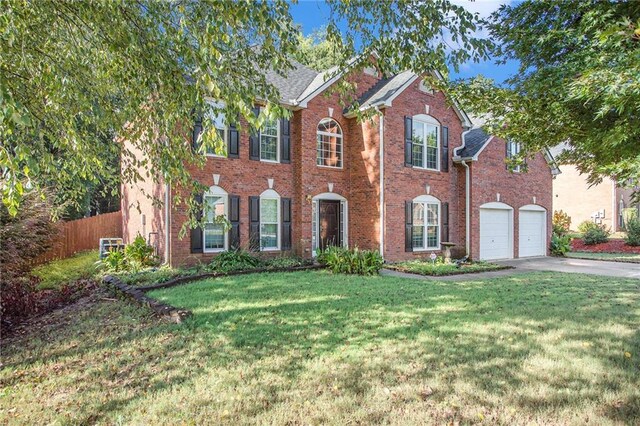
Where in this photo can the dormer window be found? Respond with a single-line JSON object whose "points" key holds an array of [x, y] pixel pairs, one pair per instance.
{"points": [[513, 149]]}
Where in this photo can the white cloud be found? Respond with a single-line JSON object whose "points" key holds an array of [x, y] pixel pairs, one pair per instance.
{"points": [[484, 8]]}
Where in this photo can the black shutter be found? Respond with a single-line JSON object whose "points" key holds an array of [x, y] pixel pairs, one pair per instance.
{"points": [[196, 233], [508, 153], [233, 141], [254, 139], [408, 226], [408, 141], [285, 210], [254, 223], [197, 131], [444, 235], [234, 219], [285, 141], [444, 156]]}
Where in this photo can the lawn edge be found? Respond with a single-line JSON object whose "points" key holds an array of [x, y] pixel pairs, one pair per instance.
{"points": [[448, 274], [603, 260]]}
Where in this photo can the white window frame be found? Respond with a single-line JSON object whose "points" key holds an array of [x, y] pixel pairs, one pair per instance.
{"points": [[427, 200], [340, 136], [315, 219], [424, 87], [215, 191], [270, 194], [225, 129], [277, 160], [514, 150], [424, 119]]}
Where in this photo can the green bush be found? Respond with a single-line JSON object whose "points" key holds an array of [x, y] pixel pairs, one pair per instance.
{"points": [[139, 254], [561, 222], [115, 261], [633, 232], [585, 226], [595, 235], [351, 261], [234, 260], [287, 262], [560, 244]]}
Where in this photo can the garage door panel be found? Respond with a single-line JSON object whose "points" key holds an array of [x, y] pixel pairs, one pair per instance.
{"points": [[532, 233], [495, 234]]}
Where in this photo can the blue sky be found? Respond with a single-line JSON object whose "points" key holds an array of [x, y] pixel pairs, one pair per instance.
{"points": [[311, 14]]}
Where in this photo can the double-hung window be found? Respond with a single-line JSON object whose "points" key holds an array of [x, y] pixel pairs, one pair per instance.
{"points": [[426, 143], [513, 149], [426, 223], [269, 141], [217, 120], [329, 144], [269, 221], [214, 235]]}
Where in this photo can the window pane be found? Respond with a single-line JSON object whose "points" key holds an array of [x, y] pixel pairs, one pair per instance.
{"points": [[418, 155], [432, 214], [329, 151], [214, 236], [269, 235], [221, 135], [268, 210], [418, 237], [418, 214], [269, 141], [215, 207], [432, 237]]}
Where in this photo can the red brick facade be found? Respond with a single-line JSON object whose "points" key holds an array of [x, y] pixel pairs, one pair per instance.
{"points": [[358, 181]]}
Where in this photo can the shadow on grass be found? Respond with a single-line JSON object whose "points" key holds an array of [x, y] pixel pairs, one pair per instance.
{"points": [[542, 344]]}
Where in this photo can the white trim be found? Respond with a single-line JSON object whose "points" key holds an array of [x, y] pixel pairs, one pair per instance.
{"points": [[277, 160], [533, 207], [329, 196], [427, 200], [336, 135], [496, 206], [216, 191], [315, 222], [430, 121]]}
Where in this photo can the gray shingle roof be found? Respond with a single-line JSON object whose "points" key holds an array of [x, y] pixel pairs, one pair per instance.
{"points": [[385, 89], [474, 140], [295, 82]]}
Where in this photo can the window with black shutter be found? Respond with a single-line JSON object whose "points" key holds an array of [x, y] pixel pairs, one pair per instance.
{"points": [[254, 139], [233, 141], [408, 225], [285, 141], [285, 206], [196, 233], [408, 142], [234, 219], [445, 222], [444, 156], [254, 223]]}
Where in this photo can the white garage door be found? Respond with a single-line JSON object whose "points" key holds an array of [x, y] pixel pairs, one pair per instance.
{"points": [[495, 233], [533, 241]]}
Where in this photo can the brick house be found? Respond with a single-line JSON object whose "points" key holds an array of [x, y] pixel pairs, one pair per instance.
{"points": [[401, 183]]}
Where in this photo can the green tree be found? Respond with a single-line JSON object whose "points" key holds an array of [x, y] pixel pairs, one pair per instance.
{"points": [[316, 52], [578, 82], [73, 72]]}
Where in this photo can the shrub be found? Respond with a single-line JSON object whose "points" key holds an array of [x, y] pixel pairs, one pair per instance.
{"points": [[351, 261], [115, 261], [287, 262], [234, 260], [560, 244], [633, 232], [561, 222], [139, 254], [595, 235], [585, 226]]}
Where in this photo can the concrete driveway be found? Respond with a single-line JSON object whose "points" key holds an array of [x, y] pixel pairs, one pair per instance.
{"points": [[582, 266]]}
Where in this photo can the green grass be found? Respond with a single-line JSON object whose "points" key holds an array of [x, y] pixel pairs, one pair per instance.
{"points": [[59, 272], [313, 348], [425, 267], [618, 257]]}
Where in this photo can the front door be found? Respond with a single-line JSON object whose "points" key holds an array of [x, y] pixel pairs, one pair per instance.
{"points": [[329, 223]]}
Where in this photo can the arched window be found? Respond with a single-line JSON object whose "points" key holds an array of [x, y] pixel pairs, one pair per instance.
{"points": [[329, 145], [216, 202], [426, 223], [270, 220], [426, 142]]}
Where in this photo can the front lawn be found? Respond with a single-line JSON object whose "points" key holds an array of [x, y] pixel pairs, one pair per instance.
{"points": [[617, 257], [64, 271], [313, 348], [425, 267]]}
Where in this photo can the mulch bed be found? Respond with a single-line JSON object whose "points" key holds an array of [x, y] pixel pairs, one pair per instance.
{"points": [[611, 246]]}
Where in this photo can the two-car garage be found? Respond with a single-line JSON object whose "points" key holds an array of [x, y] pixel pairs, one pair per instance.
{"points": [[497, 231]]}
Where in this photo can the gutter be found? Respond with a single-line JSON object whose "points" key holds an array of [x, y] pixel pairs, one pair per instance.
{"points": [[167, 227]]}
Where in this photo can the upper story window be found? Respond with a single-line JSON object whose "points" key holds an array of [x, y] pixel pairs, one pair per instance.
{"points": [[218, 122], [269, 220], [426, 223], [426, 142], [269, 141], [215, 205], [329, 144], [513, 149]]}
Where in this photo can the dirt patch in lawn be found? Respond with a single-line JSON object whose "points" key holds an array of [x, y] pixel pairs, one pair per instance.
{"points": [[611, 246]]}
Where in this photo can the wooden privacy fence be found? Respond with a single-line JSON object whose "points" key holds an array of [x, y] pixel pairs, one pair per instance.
{"points": [[83, 234]]}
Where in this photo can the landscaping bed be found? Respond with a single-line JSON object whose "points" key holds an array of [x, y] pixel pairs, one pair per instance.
{"points": [[612, 257], [425, 267], [611, 246]]}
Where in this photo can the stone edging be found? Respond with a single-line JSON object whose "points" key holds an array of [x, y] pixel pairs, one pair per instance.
{"points": [[163, 310], [449, 274], [189, 278]]}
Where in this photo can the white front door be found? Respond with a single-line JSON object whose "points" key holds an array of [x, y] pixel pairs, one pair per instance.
{"points": [[495, 234], [532, 235]]}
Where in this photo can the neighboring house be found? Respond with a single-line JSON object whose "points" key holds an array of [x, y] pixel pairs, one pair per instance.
{"points": [[602, 203], [399, 183]]}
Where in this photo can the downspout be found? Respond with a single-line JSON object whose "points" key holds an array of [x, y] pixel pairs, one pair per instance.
{"points": [[467, 200], [381, 126]]}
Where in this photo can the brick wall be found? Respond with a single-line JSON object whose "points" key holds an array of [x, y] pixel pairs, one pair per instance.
{"points": [[489, 177]]}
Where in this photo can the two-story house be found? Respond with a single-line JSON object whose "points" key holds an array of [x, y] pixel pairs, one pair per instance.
{"points": [[414, 176]]}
